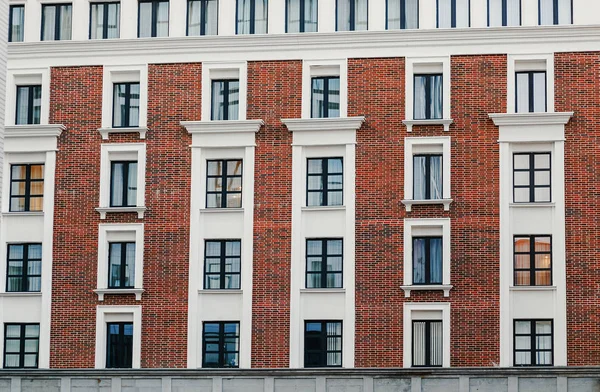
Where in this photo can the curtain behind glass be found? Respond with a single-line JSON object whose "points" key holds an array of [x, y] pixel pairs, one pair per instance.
{"points": [[132, 184], [293, 16], [97, 20], [343, 15], [49, 17], [117, 185], [17, 23], [398, 20], [435, 180], [522, 93], [419, 176], [419, 261], [495, 13], [243, 16], [113, 23], [145, 27], [22, 105], [436, 96], [162, 19], [134, 104], [260, 17], [411, 16], [194, 12], [211, 18], [130, 264], [462, 13], [393, 14], [436, 346], [119, 111], [444, 14], [218, 100], [233, 100], [311, 15], [513, 12], [418, 343], [546, 12], [419, 101], [435, 260], [565, 13], [318, 101], [539, 92], [114, 265], [361, 14], [333, 107]]}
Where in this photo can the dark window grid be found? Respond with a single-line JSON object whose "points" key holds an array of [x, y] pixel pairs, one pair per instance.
{"points": [[224, 180], [302, 22], [203, 16], [555, 18], [252, 16], [10, 18], [428, 173], [126, 108], [57, 18], [226, 103], [323, 351], [122, 266], [30, 98], [402, 14], [126, 185], [22, 340], [28, 182], [324, 255], [221, 339], [428, 96], [154, 25], [24, 275], [325, 94], [119, 347], [533, 350], [532, 253], [532, 89], [222, 274], [532, 170], [504, 13], [427, 342], [352, 17], [324, 175], [452, 13], [427, 259], [105, 6]]}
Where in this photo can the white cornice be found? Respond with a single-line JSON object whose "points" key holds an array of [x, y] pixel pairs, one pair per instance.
{"points": [[441, 121], [33, 130], [323, 124], [527, 119], [222, 126]]}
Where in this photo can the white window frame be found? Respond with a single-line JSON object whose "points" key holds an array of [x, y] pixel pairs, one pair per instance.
{"points": [[420, 310], [426, 145], [27, 76], [529, 62], [427, 65], [216, 71], [426, 227], [123, 74], [106, 314], [119, 151], [314, 68]]}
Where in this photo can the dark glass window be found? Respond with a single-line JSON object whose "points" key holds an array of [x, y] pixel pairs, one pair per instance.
{"points": [[324, 182], [554, 12], [225, 103], [352, 15], [123, 184], [531, 91], [427, 177], [202, 17], [453, 13], [325, 97], [126, 102], [322, 343], [221, 345], [301, 16], [428, 96], [531, 177], [324, 263], [427, 260], [56, 22], [153, 18], [427, 341], [119, 345], [104, 20], [504, 13], [251, 17], [121, 265], [29, 104], [16, 29], [402, 14], [24, 272], [534, 343], [224, 183], [26, 187], [222, 264], [533, 260], [21, 345]]}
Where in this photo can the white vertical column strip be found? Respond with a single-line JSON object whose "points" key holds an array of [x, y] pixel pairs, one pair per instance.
{"points": [[559, 257], [80, 20], [177, 18], [276, 17], [33, 17], [479, 13], [227, 17], [529, 12], [427, 15], [350, 256], [326, 16], [377, 13], [129, 19], [296, 262], [505, 255]]}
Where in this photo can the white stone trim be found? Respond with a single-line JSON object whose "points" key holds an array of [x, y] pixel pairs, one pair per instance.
{"points": [[315, 68], [119, 74], [27, 76], [414, 307], [530, 62], [224, 70], [415, 65], [106, 314], [528, 119], [104, 132]]}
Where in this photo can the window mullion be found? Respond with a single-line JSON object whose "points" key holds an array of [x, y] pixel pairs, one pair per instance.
{"points": [[222, 247], [124, 184], [325, 180], [30, 105], [154, 18], [223, 183], [428, 177], [226, 100], [122, 264], [22, 346], [505, 13], [27, 187], [302, 18], [533, 348], [252, 15], [203, 6], [531, 178], [555, 12], [428, 97], [427, 343], [532, 261], [57, 12], [105, 7], [221, 344], [127, 104], [427, 260], [326, 97], [25, 283], [323, 263], [402, 14], [531, 92], [453, 13]]}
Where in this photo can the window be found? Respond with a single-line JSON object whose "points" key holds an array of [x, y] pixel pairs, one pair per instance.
{"points": [[324, 263], [224, 183], [504, 13], [325, 97], [554, 12], [531, 91], [251, 17], [16, 19], [427, 177], [202, 17], [225, 100], [153, 18], [221, 345], [123, 183], [453, 13], [402, 14], [325, 182], [104, 20], [531, 177], [29, 104], [533, 260], [222, 259], [427, 260], [301, 16], [126, 105], [56, 22], [24, 268], [119, 345], [428, 96], [351, 15], [427, 347], [21, 345], [26, 187], [121, 265], [322, 343], [533, 343]]}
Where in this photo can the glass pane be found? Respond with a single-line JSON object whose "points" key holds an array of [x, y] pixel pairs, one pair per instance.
{"points": [[65, 22], [313, 280], [334, 344], [31, 345], [435, 180], [522, 342], [232, 264], [145, 20], [521, 161], [117, 181], [544, 358], [539, 92], [521, 178], [36, 204], [213, 265], [132, 184], [542, 327], [334, 198], [214, 184], [19, 172], [15, 268], [444, 14], [114, 16], [315, 183], [214, 168], [232, 248], [462, 13], [314, 199], [213, 201], [313, 264], [411, 16], [231, 360], [523, 358], [218, 100], [193, 22], [15, 252], [114, 265], [37, 172], [30, 360], [232, 281], [15, 284], [521, 195], [213, 282], [310, 15], [334, 280], [521, 261], [542, 244], [22, 106], [315, 166], [541, 161], [495, 13], [542, 194], [419, 261], [48, 22], [334, 247], [211, 359], [436, 96], [343, 15], [437, 348], [211, 18], [234, 100], [232, 328], [260, 14], [213, 248], [543, 342], [334, 182], [522, 93], [522, 278], [313, 247], [333, 107], [334, 264], [34, 268], [234, 168], [13, 346], [361, 14], [521, 244], [419, 101], [435, 262], [17, 204], [234, 201], [546, 12], [334, 328], [134, 105], [13, 331], [17, 23], [243, 16], [234, 184], [419, 177], [97, 20], [542, 177], [162, 19], [523, 327], [418, 333], [334, 165], [565, 12], [318, 98], [543, 278], [36, 188]]}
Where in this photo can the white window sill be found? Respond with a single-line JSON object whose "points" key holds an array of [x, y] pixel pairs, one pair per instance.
{"points": [[324, 208], [440, 121], [106, 131], [217, 210], [427, 287], [532, 288], [102, 292], [220, 291], [21, 294], [410, 203], [105, 210], [23, 213], [323, 290], [532, 205]]}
